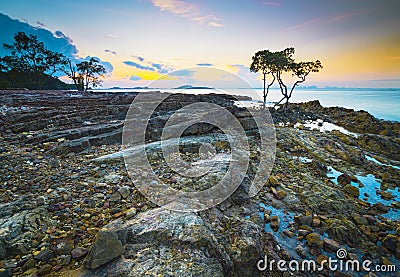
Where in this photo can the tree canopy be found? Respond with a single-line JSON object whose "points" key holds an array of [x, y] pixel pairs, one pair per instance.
{"points": [[86, 73], [31, 65], [31, 61], [279, 62]]}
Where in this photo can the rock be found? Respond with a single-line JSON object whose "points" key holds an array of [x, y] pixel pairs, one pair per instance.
{"points": [[360, 220], [78, 253], [275, 223], [28, 264], [386, 261], [45, 269], [316, 222], [280, 194], [301, 251], [288, 233], [352, 190], [131, 213], [107, 246], [304, 220], [124, 191], [344, 179], [44, 255], [64, 246], [178, 240], [390, 242], [381, 207], [322, 258], [343, 231], [314, 240], [6, 272], [370, 218], [115, 197], [272, 180], [330, 245]]}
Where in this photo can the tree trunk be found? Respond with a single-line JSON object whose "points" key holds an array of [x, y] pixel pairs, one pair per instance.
{"points": [[264, 95]]}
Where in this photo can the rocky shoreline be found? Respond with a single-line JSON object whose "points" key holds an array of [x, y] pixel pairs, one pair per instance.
{"points": [[69, 208]]}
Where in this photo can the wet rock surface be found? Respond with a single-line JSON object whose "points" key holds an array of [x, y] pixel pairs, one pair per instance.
{"points": [[69, 208]]}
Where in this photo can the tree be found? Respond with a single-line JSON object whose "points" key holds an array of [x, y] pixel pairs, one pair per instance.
{"points": [[263, 62], [86, 73], [30, 58], [280, 62]]}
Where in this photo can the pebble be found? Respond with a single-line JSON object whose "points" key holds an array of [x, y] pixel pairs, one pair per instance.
{"points": [[78, 253]]}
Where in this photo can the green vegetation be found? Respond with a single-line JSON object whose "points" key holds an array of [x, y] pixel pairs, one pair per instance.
{"points": [[31, 65], [277, 63]]}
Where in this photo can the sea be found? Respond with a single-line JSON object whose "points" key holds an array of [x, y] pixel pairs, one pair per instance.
{"points": [[383, 103]]}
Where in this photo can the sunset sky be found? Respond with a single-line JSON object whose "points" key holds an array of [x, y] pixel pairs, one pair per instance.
{"points": [[357, 41]]}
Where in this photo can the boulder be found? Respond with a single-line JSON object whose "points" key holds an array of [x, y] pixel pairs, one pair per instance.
{"points": [[163, 242]]}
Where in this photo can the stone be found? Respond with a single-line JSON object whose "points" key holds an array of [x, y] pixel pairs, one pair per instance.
{"points": [[344, 179], [304, 220], [106, 247], [330, 245], [78, 253], [322, 258], [275, 223], [352, 190], [44, 255], [115, 197], [131, 213], [301, 251], [370, 218], [28, 264], [360, 220], [280, 194], [6, 272], [273, 181], [288, 233], [316, 222], [45, 269], [314, 240], [390, 242], [124, 191], [64, 246]]}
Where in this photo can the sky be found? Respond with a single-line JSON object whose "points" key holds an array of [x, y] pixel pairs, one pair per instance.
{"points": [[138, 41]]}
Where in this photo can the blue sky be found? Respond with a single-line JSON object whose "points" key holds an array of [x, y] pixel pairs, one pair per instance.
{"points": [[357, 40]]}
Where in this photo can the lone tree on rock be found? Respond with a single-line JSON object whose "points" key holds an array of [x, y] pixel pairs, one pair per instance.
{"points": [[263, 62], [86, 74], [277, 63]]}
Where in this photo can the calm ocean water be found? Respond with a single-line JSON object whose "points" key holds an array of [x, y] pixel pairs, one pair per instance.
{"points": [[382, 103]]}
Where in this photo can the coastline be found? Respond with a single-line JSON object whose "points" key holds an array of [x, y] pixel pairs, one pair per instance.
{"points": [[57, 198]]}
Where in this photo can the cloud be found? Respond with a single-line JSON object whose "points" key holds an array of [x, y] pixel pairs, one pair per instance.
{"points": [[204, 64], [138, 66], [55, 41], [386, 80], [107, 66], [187, 10], [135, 78], [40, 24], [111, 36], [183, 73], [144, 64], [272, 3], [304, 24], [141, 59], [110, 51]]}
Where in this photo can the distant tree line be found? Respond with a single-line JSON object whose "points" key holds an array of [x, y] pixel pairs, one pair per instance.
{"points": [[277, 63], [33, 66]]}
